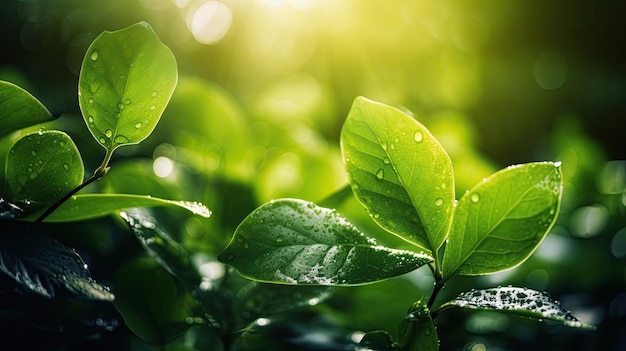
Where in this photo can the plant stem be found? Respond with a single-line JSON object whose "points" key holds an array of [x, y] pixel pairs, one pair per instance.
{"points": [[97, 174]]}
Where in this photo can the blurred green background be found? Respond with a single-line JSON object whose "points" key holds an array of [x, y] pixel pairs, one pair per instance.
{"points": [[264, 88]]}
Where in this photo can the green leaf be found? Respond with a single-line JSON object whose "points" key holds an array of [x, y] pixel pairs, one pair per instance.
{"points": [[417, 331], [40, 263], [399, 172], [501, 221], [517, 301], [19, 109], [42, 167], [292, 241], [378, 340], [88, 206], [126, 80], [153, 306]]}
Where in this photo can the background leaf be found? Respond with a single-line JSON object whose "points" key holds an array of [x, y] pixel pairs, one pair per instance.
{"points": [[292, 241], [399, 172], [88, 206], [40, 263], [42, 167], [501, 221], [417, 331], [377, 340], [19, 109], [518, 301], [125, 83]]}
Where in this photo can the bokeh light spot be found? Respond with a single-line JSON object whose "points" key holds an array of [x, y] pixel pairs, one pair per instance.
{"points": [[589, 221], [162, 166], [209, 22], [618, 244], [550, 69]]}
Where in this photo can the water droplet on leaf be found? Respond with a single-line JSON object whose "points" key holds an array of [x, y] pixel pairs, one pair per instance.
{"points": [[380, 174], [108, 133], [154, 94], [152, 108], [66, 167], [90, 101], [386, 160], [419, 136], [280, 239], [90, 119], [439, 202], [475, 197], [94, 55], [138, 125], [230, 257], [121, 139]]}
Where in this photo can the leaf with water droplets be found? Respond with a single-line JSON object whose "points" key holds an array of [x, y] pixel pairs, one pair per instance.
{"points": [[88, 206], [501, 221], [125, 83], [378, 340], [40, 264], [42, 167], [292, 241], [518, 301], [399, 172], [19, 109], [417, 331]]}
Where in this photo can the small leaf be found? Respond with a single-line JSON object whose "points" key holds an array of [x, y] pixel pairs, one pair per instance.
{"points": [[501, 221], [292, 241], [417, 331], [378, 340], [40, 263], [399, 172], [126, 80], [19, 109], [88, 206], [42, 167], [518, 301]]}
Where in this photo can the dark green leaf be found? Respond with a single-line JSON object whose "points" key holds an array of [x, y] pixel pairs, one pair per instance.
{"points": [[517, 301], [417, 331], [125, 83], [87, 206], [399, 172], [292, 241], [40, 263], [19, 109], [501, 221], [377, 341], [42, 167], [153, 306]]}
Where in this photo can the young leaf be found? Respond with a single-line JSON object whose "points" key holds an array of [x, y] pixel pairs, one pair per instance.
{"points": [[399, 172], [19, 109], [501, 221], [378, 340], [42, 167], [126, 80], [40, 263], [88, 206], [518, 301], [292, 241], [417, 331]]}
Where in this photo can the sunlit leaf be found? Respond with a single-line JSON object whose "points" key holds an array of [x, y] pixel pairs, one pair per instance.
{"points": [[19, 109], [153, 306], [416, 331], [87, 206], [292, 241], [399, 172], [378, 340], [40, 263], [517, 301], [42, 167], [126, 80], [501, 221]]}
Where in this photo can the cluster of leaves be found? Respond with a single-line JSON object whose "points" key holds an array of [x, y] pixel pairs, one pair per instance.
{"points": [[403, 177]]}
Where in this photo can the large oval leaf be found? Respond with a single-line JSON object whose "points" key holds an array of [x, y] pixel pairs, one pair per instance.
{"points": [[292, 241], [126, 80], [19, 109], [518, 301], [501, 221], [42, 167], [399, 172]]}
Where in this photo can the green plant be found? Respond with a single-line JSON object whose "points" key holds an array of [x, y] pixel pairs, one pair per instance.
{"points": [[403, 177]]}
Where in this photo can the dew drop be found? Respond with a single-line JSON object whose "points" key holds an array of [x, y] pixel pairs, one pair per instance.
{"points": [[155, 93], [384, 146], [138, 125], [475, 197], [152, 108], [122, 76], [108, 133], [230, 257], [439, 202], [121, 139], [419, 136], [132, 64], [386, 160], [121, 106], [34, 153], [61, 143], [127, 102], [280, 239], [33, 174], [380, 174], [376, 215], [40, 161], [94, 55], [90, 119], [66, 167], [90, 101]]}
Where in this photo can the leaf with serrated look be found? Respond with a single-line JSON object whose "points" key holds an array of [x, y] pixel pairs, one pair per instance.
{"points": [[501, 221], [292, 241], [519, 301]]}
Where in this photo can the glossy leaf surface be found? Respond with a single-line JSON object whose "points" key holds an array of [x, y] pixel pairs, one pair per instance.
{"points": [[416, 331], [126, 80], [292, 241], [19, 109], [42, 167], [378, 340], [518, 301], [500, 222], [87, 206], [399, 172], [41, 264]]}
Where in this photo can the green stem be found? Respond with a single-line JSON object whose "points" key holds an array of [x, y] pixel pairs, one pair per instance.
{"points": [[97, 174]]}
